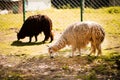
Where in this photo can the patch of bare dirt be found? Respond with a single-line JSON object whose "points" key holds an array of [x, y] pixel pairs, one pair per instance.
{"points": [[16, 67]]}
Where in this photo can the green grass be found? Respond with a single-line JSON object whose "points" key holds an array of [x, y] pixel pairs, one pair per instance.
{"points": [[108, 17], [63, 17], [10, 21], [103, 65]]}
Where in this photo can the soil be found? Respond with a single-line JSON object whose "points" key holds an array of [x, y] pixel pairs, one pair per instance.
{"points": [[37, 65]]}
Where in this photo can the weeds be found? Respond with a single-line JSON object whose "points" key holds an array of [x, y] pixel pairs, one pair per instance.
{"points": [[13, 76]]}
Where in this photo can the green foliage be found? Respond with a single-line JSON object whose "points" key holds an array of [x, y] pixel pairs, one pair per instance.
{"points": [[65, 67], [91, 58], [111, 56], [10, 75], [113, 10], [101, 69], [88, 76], [91, 76], [13, 77]]}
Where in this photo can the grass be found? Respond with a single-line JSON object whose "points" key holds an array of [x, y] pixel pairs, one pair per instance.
{"points": [[108, 17], [103, 65], [10, 21], [110, 21]]}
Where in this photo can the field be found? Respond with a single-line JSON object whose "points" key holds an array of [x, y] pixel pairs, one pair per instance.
{"points": [[20, 60]]}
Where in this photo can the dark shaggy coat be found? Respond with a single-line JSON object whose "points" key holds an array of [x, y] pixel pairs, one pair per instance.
{"points": [[34, 25]]}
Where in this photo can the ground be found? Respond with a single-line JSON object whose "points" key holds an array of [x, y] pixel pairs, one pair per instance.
{"points": [[20, 60]]}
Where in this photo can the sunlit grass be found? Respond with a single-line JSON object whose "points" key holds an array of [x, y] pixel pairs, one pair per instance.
{"points": [[89, 67], [61, 18], [108, 17], [10, 21]]}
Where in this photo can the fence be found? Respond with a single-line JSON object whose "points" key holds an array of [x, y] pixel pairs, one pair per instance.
{"points": [[60, 11]]}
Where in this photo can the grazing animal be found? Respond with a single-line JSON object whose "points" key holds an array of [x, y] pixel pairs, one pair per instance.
{"points": [[78, 35], [34, 25]]}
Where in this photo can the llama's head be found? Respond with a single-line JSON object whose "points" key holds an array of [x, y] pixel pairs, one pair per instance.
{"points": [[51, 51], [20, 36]]}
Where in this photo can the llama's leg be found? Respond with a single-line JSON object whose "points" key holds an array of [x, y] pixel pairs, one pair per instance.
{"points": [[79, 52], [99, 50], [51, 55], [73, 51], [51, 36], [93, 49], [46, 36], [30, 39], [35, 38]]}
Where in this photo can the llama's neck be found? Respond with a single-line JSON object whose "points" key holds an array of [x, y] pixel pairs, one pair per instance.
{"points": [[61, 43]]}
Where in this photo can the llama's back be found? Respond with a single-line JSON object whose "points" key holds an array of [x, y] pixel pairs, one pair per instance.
{"points": [[83, 34], [97, 32], [79, 34]]}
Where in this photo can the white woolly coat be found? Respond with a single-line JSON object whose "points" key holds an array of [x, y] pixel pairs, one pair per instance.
{"points": [[79, 34]]}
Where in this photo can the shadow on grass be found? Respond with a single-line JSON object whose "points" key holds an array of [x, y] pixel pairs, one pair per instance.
{"points": [[112, 48], [19, 43]]}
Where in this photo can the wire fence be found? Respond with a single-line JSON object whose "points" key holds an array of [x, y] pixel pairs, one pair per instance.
{"points": [[60, 11]]}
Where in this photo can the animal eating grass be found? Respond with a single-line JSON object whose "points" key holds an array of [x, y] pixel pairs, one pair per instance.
{"points": [[78, 35], [34, 25]]}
